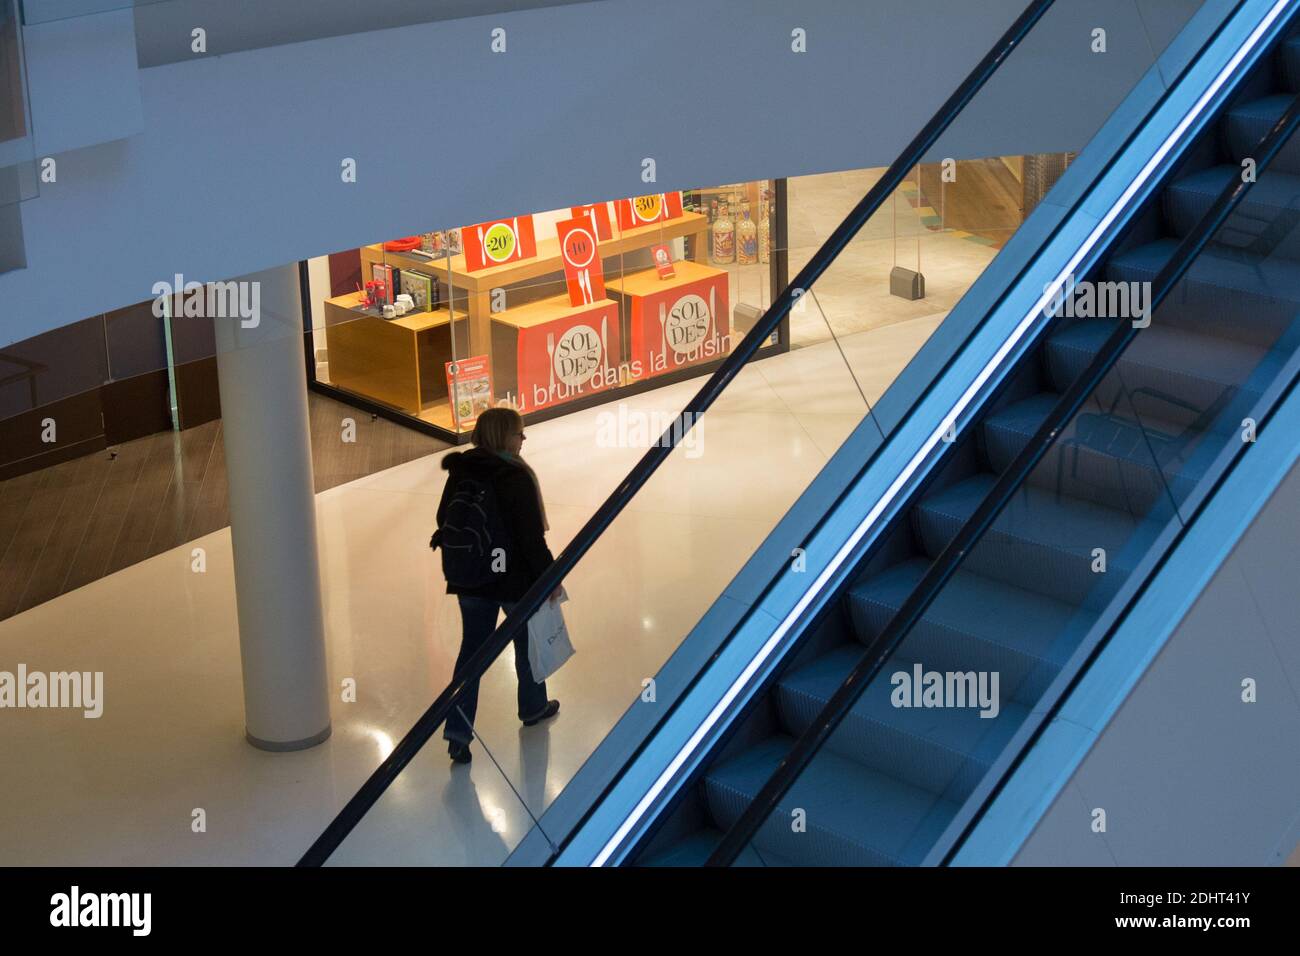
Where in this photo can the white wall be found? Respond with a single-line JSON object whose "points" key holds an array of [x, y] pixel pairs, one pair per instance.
{"points": [[237, 167], [163, 29], [1188, 773]]}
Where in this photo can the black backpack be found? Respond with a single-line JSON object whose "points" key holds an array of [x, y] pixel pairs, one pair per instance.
{"points": [[472, 535]]}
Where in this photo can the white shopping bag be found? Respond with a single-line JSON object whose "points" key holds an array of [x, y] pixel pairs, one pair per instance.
{"points": [[548, 639]]}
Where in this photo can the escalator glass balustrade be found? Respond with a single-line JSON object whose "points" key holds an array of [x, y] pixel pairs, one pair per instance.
{"points": [[906, 767]]}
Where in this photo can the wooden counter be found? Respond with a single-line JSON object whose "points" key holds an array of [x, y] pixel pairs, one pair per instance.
{"points": [[667, 324], [542, 312], [551, 351], [400, 361], [477, 286], [546, 261], [647, 282]]}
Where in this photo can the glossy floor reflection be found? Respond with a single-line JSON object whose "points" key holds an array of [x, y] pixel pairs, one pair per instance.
{"points": [[165, 777]]}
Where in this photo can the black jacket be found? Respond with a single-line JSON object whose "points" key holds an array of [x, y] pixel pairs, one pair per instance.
{"points": [[526, 555]]}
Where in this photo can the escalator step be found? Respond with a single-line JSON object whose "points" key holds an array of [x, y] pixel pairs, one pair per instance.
{"points": [[1181, 377], [1040, 543], [1227, 293], [944, 750], [1109, 456], [695, 849], [976, 623], [1288, 62], [853, 816], [1263, 224], [1247, 123]]}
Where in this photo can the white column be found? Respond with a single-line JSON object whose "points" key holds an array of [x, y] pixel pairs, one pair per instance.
{"points": [[260, 366]]}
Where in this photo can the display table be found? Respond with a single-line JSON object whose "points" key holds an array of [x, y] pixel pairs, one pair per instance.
{"points": [[673, 323], [548, 352], [400, 362], [473, 290]]}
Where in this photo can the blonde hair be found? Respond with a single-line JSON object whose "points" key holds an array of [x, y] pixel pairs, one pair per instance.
{"points": [[494, 428]]}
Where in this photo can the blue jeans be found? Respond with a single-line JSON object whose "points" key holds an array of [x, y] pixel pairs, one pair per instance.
{"points": [[478, 618]]}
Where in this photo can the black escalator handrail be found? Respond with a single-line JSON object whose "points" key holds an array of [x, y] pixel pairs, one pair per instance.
{"points": [[528, 605], [809, 744]]}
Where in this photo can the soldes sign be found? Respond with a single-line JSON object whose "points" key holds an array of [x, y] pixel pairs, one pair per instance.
{"points": [[577, 355], [688, 324]]}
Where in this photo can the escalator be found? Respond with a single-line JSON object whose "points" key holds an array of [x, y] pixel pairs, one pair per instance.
{"points": [[1060, 556], [992, 517]]}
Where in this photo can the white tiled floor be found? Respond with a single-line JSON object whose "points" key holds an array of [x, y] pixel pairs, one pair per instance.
{"points": [[124, 789]]}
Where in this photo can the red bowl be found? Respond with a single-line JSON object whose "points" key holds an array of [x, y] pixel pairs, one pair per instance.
{"points": [[402, 245]]}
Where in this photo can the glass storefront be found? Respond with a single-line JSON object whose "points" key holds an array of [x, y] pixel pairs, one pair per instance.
{"points": [[555, 311], [551, 311]]}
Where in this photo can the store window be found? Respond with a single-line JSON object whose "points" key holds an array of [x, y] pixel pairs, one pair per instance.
{"points": [[551, 311], [523, 311]]}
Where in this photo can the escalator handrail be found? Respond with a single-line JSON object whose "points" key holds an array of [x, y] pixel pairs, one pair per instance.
{"points": [[428, 723], [882, 648], [987, 309]]}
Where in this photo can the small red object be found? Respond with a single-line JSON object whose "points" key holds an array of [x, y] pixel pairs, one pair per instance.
{"points": [[402, 245], [374, 295]]}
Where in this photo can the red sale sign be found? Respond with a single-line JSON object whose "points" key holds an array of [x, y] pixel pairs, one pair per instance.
{"points": [[680, 323], [643, 210], [582, 269], [571, 357], [498, 242], [663, 261], [598, 212]]}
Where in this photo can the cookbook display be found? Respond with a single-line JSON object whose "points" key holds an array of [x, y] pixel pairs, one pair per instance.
{"points": [[547, 312], [421, 288], [469, 383]]}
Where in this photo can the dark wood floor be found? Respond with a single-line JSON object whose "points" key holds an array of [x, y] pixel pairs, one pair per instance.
{"points": [[78, 521]]}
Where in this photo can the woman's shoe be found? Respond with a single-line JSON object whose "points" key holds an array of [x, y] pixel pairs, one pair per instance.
{"points": [[552, 708], [459, 752]]}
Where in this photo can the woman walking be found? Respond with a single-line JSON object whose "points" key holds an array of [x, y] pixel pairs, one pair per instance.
{"points": [[492, 527]]}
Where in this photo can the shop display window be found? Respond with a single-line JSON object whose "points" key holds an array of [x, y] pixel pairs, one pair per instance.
{"points": [[551, 311], [555, 311]]}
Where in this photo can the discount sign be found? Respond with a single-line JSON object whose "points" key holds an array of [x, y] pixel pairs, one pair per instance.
{"points": [[583, 274], [643, 210], [599, 213], [498, 242]]}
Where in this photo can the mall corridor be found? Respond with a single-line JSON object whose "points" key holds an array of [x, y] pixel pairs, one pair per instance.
{"points": [[907, 394]]}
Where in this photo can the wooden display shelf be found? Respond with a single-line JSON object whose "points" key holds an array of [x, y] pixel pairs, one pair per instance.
{"points": [[400, 361], [647, 282], [439, 413], [541, 312], [547, 261], [412, 321], [478, 285]]}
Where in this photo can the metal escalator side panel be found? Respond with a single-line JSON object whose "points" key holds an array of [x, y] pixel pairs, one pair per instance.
{"points": [[1049, 764], [1009, 331]]}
